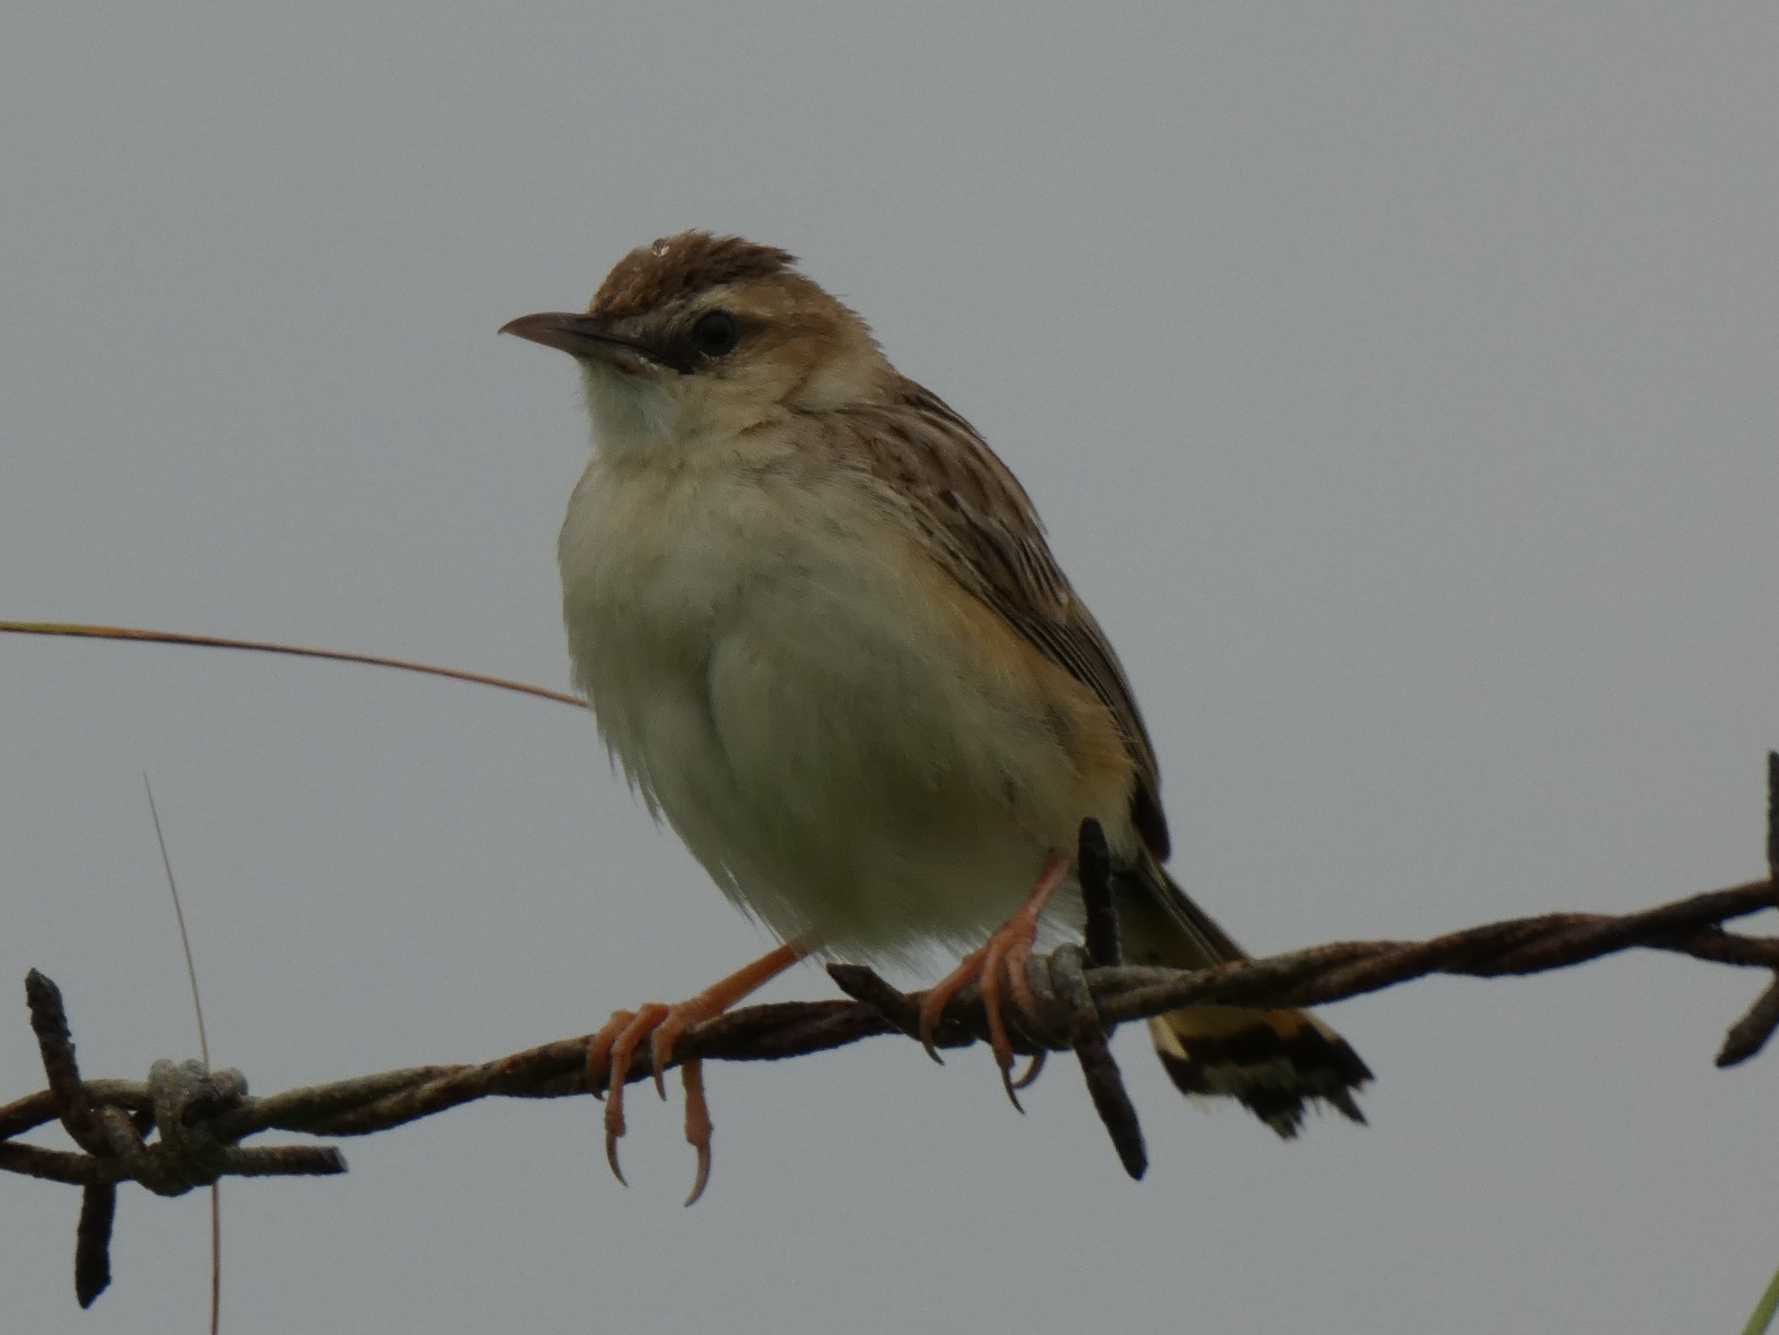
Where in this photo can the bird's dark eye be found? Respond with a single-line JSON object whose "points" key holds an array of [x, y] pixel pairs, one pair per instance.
{"points": [[716, 334]]}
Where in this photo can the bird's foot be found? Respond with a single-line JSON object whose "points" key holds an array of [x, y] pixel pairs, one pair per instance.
{"points": [[1004, 955], [611, 1051]]}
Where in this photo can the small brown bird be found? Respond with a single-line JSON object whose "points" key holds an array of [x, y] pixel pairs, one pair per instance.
{"points": [[822, 632]]}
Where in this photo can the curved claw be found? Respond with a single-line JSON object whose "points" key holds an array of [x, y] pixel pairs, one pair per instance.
{"points": [[614, 1126], [621, 1049], [997, 1023], [611, 1154], [1012, 1089], [938, 997], [1018, 955], [702, 1180], [926, 1039], [698, 1125], [929, 1024]]}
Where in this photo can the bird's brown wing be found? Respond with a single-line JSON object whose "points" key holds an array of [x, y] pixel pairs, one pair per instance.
{"points": [[983, 529], [986, 533]]}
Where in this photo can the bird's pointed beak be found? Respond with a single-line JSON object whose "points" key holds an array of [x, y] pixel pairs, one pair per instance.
{"points": [[579, 335]]}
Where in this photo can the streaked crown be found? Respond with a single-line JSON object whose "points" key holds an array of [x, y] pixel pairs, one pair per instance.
{"points": [[677, 267]]}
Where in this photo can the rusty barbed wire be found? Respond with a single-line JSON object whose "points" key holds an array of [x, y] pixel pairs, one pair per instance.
{"points": [[202, 1116], [1320, 975]]}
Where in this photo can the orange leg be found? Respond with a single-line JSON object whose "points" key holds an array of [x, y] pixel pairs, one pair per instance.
{"points": [[1005, 953], [611, 1050]]}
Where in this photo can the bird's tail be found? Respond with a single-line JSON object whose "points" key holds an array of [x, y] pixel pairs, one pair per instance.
{"points": [[1275, 1063]]}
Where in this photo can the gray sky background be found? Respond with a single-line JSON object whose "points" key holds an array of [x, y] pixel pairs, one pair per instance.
{"points": [[1398, 383]]}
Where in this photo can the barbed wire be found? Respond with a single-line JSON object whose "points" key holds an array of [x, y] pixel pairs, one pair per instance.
{"points": [[198, 1118]]}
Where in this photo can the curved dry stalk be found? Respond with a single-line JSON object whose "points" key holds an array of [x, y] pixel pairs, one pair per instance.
{"points": [[78, 631]]}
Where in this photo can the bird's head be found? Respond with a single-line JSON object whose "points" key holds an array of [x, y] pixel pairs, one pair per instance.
{"points": [[700, 338]]}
